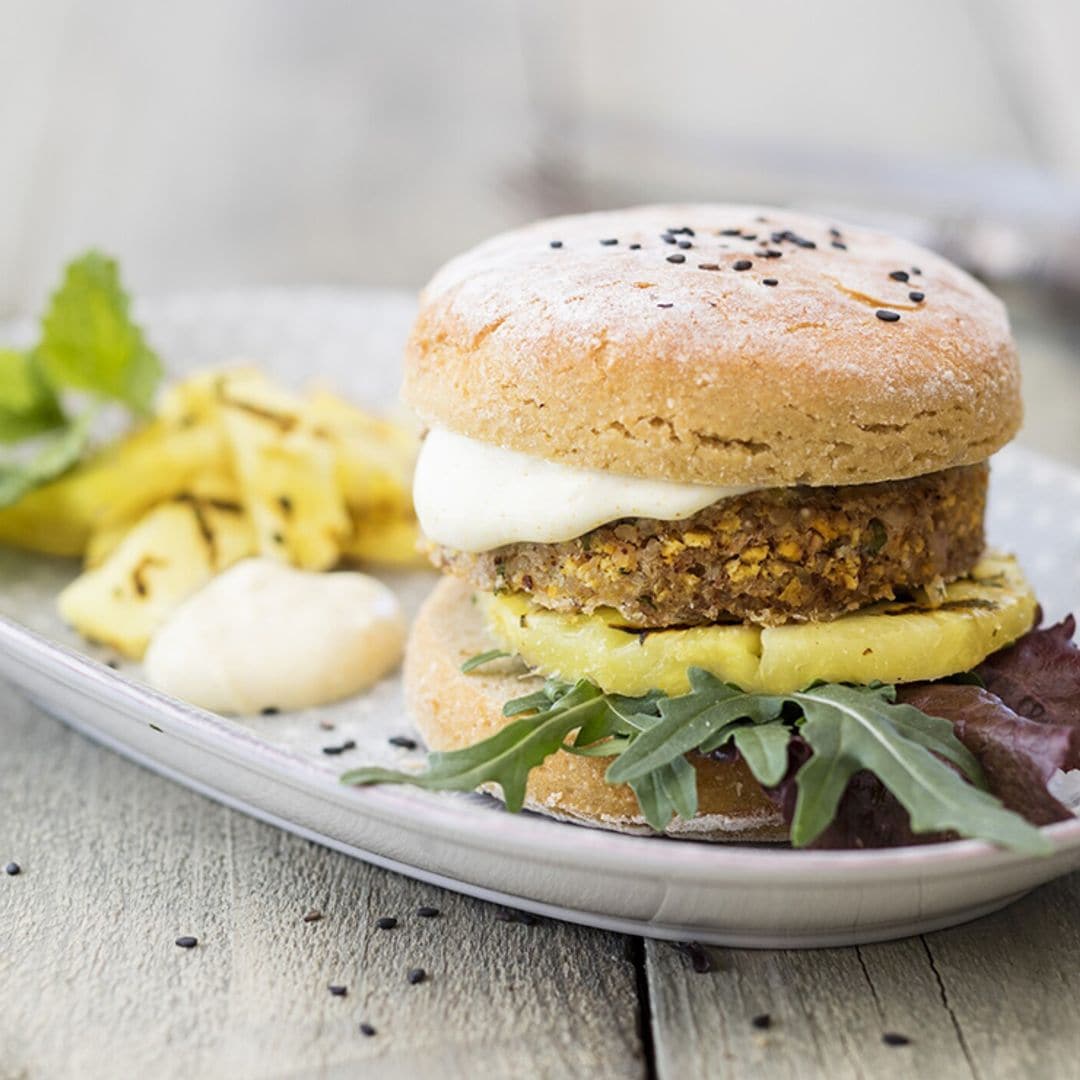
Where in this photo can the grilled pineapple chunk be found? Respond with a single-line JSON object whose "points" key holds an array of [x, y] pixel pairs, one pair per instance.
{"points": [[286, 468], [154, 463], [172, 551], [888, 642], [385, 540]]}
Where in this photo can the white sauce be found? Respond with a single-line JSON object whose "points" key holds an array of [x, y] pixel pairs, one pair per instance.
{"points": [[473, 496], [265, 635]]}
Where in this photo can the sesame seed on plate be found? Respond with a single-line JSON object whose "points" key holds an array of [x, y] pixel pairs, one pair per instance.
{"points": [[187, 941], [763, 1021], [770, 281], [609, 241], [427, 912], [839, 245], [416, 976], [337, 990], [386, 922], [894, 1038], [366, 1029], [678, 257], [556, 244], [635, 247]]}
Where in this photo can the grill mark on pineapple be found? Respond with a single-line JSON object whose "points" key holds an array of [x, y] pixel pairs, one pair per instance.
{"points": [[138, 573], [282, 421], [206, 530], [971, 604]]}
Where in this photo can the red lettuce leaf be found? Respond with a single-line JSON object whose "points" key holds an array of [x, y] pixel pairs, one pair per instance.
{"points": [[1018, 755], [1039, 676]]}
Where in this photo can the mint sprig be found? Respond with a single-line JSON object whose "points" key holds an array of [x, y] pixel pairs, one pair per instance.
{"points": [[89, 343], [917, 757]]}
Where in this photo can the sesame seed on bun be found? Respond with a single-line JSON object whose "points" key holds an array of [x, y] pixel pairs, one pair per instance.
{"points": [[717, 344]]}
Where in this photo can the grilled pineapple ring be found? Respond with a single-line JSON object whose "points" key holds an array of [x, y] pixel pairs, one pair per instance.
{"points": [[888, 642]]}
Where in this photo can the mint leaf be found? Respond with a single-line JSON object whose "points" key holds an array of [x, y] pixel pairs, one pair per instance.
{"points": [[28, 405], [89, 341], [851, 729], [56, 454]]}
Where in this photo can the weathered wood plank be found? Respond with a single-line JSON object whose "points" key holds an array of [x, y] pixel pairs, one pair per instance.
{"points": [[117, 863], [995, 998]]}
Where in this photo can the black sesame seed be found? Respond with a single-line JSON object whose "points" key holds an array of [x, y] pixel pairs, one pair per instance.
{"points": [[416, 976], [187, 941], [763, 1021], [700, 960], [269, 710], [402, 741], [887, 316], [684, 244], [730, 232], [609, 241], [635, 247], [386, 922], [312, 916], [741, 264], [708, 266], [772, 253], [915, 270], [665, 305], [834, 232], [556, 243], [427, 912], [899, 275], [348, 744], [916, 297], [668, 238], [367, 1029], [12, 869], [337, 991], [894, 1038], [770, 281], [839, 245], [678, 257], [749, 235], [114, 664], [683, 230]]}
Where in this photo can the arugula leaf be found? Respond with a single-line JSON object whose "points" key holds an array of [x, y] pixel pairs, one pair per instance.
{"points": [[764, 748], [852, 729], [482, 658], [507, 757], [89, 341], [56, 454], [665, 792], [849, 730], [704, 717], [28, 405]]}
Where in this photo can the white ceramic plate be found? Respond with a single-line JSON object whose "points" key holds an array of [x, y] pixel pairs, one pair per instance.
{"points": [[274, 767]]}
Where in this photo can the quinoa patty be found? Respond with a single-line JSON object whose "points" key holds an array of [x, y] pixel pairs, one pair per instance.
{"points": [[767, 557]]}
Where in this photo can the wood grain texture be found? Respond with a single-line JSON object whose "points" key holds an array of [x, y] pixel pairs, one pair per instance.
{"points": [[117, 863], [993, 999]]}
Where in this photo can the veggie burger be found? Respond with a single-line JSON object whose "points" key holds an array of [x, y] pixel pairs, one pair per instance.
{"points": [[708, 485]]}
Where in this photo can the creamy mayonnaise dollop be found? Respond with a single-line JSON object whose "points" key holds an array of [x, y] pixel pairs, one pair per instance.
{"points": [[472, 496], [264, 635]]}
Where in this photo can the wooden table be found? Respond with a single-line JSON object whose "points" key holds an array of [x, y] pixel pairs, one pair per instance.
{"points": [[116, 863]]}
